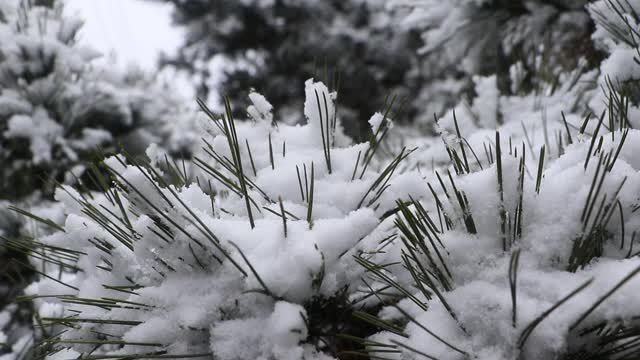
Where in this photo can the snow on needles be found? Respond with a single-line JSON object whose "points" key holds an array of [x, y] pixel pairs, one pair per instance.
{"points": [[279, 241], [236, 291], [203, 280]]}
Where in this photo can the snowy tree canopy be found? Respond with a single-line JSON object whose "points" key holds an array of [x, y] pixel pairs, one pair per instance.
{"points": [[488, 37], [56, 109]]}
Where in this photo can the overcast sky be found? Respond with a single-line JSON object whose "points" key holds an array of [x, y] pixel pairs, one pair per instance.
{"points": [[135, 31]]}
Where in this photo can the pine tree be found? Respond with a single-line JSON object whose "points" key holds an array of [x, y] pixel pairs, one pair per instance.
{"points": [[274, 45], [56, 108], [543, 37], [289, 242]]}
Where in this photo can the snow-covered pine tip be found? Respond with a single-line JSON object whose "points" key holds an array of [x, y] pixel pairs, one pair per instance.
{"points": [[517, 257], [247, 254]]}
